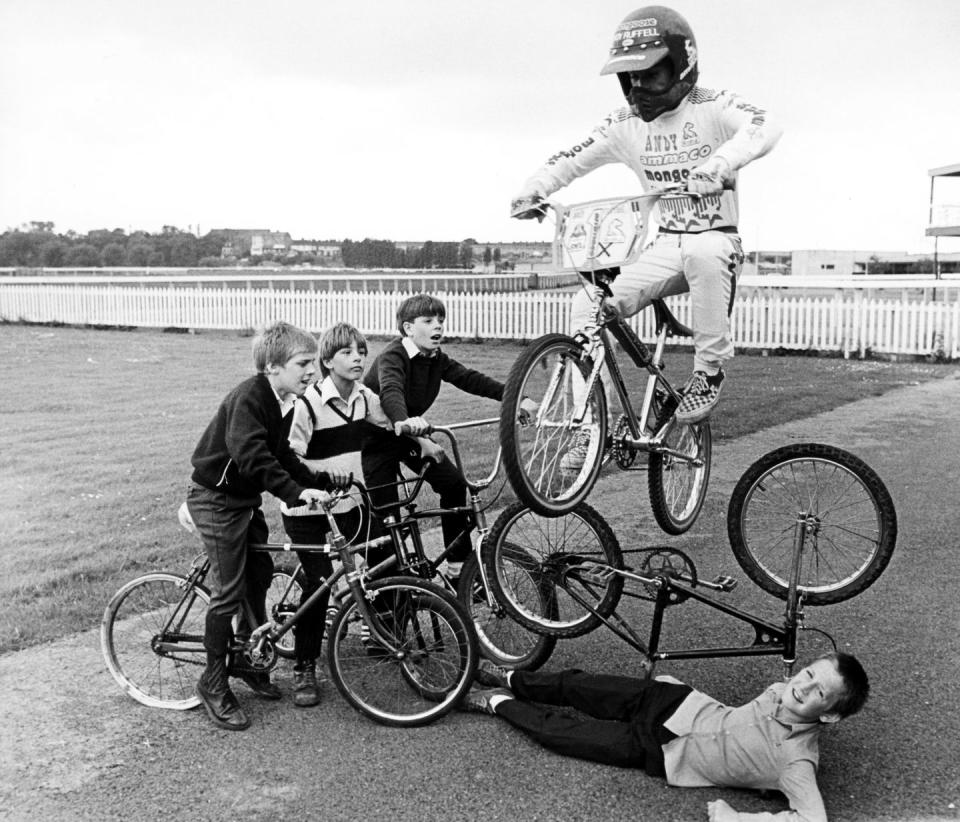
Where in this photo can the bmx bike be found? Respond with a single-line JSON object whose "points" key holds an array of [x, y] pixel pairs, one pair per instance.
{"points": [[811, 524], [502, 640], [562, 375], [401, 649]]}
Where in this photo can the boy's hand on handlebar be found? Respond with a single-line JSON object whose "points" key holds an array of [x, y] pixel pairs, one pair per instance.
{"points": [[340, 478], [314, 497], [430, 450], [528, 410], [415, 426], [528, 208]]}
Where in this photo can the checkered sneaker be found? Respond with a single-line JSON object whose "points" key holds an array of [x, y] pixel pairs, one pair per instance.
{"points": [[573, 460], [700, 396]]}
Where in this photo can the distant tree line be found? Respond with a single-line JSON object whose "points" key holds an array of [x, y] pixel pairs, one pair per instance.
{"points": [[37, 245], [385, 254]]}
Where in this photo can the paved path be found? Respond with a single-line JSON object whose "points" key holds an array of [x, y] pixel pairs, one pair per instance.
{"points": [[72, 746]]}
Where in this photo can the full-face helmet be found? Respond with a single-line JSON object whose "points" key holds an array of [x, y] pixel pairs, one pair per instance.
{"points": [[646, 37]]}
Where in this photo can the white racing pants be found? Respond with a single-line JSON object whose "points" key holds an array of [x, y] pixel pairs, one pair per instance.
{"points": [[705, 264]]}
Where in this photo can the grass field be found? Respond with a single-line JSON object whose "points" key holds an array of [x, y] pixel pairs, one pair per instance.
{"points": [[98, 428]]}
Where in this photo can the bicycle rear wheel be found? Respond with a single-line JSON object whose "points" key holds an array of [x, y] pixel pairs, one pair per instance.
{"points": [[553, 462], [151, 636], [835, 500], [283, 599], [571, 557], [426, 672], [502, 639], [677, 482]]}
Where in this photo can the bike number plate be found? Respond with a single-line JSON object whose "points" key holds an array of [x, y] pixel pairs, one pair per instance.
{"points": [[602, 233]]}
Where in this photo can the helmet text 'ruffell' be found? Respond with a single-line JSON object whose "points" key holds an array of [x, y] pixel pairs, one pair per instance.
{"points": [[643, 39]]}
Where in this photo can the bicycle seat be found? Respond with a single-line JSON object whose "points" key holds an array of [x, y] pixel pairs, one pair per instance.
{"points": [[664, 317]]}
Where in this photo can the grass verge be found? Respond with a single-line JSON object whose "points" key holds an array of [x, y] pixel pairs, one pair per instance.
{"points": [[98, 428]]}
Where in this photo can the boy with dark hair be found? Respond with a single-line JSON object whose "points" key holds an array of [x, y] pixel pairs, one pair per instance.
{"points": [[407, 376], [328, 428], [242, 453], [671, 730]]}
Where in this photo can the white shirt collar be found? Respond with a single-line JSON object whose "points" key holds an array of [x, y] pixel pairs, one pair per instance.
{"points": [[412, 351], [285, 404], [328, 391]]}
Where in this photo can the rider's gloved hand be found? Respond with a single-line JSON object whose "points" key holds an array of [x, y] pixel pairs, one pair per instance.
{"points": [[527, 207], [711, 177]]}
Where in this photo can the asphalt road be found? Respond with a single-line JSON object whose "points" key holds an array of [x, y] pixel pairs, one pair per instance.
{"points": [[74, 747]]}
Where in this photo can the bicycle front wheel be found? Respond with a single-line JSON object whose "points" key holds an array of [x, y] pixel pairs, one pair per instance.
{"points": [[822, 501], [677, 476], [572, 558], [427, 669], [554, 460], [503, 640], [151, 636]]}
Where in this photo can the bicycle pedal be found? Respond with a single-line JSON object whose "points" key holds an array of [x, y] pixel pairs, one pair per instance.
{"points": [[725, 583], [594, 572]]}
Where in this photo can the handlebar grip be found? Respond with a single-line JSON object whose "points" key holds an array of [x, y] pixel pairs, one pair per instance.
{"points": [[406, 429]]}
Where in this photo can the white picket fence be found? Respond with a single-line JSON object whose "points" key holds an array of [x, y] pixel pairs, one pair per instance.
{"points": [[853, 322]]}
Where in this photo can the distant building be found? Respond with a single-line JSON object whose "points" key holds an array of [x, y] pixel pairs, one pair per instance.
{"points": [[254, 241]]}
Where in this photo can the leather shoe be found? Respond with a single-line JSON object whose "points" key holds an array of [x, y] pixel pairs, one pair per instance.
{"points": [[222, 707], [260, 684], [306, 694]]}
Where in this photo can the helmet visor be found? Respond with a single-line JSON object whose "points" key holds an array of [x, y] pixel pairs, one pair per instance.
{"points": [[634, 59]]}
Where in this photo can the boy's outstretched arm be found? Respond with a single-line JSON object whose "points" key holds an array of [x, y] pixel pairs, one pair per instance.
{"points": [[471, 381]]}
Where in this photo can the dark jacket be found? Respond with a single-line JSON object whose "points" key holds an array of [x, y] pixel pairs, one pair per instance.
{"points": [[245, 451], [408, 387]]}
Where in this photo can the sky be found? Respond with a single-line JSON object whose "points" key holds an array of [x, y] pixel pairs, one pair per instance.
{"points": [[420, 119]]}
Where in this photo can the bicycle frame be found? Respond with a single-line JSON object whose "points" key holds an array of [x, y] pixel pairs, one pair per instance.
{"points": [[407, 526], [598, 346], [591, 239], [403, 533], [770, 639]]}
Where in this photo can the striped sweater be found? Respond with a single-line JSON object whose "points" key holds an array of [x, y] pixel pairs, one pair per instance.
{"points": [[327, 433]]}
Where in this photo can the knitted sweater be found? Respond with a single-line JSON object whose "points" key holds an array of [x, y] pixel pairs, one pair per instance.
{"points": [[408, 386], [244, 450]]}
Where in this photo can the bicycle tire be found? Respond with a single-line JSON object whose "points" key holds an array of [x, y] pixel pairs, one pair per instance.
{"points": [[280, 608], [558, 548], [434, 663], [503, 640], [152, 650], [678, 487], [539, 458], [851, 522]]}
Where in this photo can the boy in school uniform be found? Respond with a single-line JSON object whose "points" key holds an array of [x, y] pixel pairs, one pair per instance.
{"points": [[672, 731], [242, 453], [407, 376], [329, 426]]}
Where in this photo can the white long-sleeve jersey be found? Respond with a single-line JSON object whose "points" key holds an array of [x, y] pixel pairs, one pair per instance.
{"points": [[708, 126]]}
